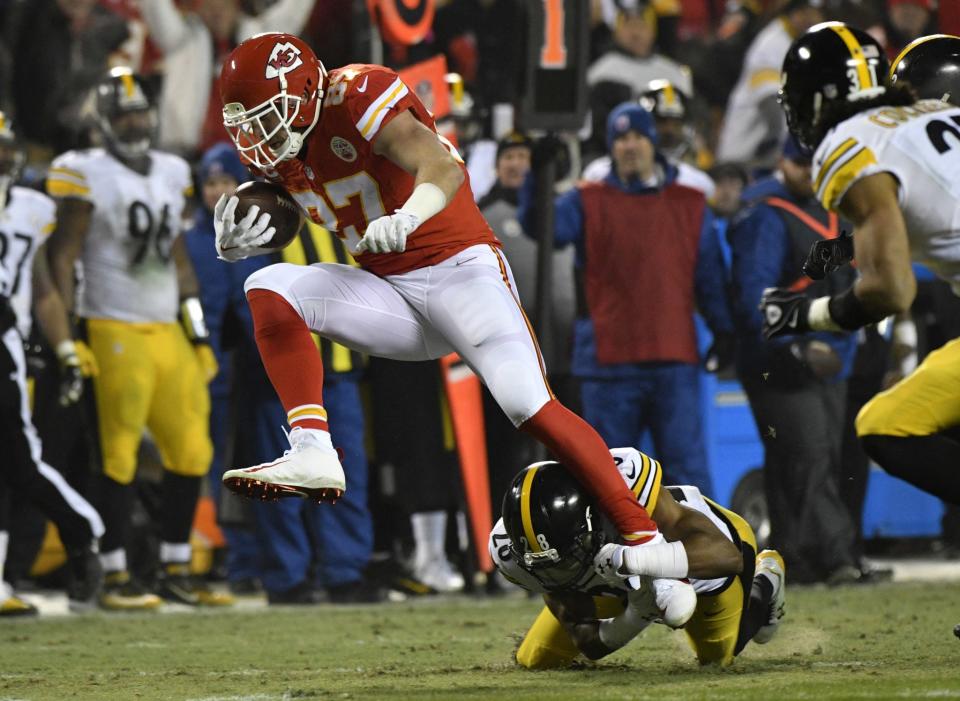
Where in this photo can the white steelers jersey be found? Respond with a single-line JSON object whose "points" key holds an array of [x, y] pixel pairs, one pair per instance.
{"points": [[128, 273], [919, 145], [643, 475], [25, 223]]}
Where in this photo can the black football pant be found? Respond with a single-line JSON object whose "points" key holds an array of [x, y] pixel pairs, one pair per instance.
{"points": [[802, 433], [22, 470]]}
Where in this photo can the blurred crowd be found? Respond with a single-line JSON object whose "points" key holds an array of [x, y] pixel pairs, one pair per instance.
{"points": [[683, 119]]}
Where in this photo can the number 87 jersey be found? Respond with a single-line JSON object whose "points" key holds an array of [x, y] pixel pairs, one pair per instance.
{"points": [[343, 185], [919, 145], [128, 274]]}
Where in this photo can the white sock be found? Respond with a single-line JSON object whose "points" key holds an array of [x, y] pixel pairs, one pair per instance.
{"points": [[429, 536], [175, 553], [114, 561], [312, 436]]}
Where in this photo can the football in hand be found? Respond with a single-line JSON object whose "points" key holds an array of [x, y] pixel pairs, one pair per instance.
{"points": [[285, 214]]}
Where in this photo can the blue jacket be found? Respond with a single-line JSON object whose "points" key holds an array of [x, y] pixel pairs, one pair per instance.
{"points": [[221, 295], [569, 229], [761, 258]]}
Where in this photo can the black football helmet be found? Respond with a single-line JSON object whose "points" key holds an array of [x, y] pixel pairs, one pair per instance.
{"points": [[832, 63], [554, 525], [931, 64], [126, 115]]}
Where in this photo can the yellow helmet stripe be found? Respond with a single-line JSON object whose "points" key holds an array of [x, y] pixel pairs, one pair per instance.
{"points": [[914, 44], [856, 52], [128, 83], [3, 121], [525, 510], [669, 96]]}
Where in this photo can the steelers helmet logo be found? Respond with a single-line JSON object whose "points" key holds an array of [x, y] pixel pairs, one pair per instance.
{"points": [[774, 314]]}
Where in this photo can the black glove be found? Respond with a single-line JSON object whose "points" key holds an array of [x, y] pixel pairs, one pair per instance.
{"points": [[827, 255], [8, 317], [784, 312], [71, 374], [720, 355]]}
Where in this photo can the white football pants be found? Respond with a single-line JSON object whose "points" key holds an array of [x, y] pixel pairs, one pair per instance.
{"points": [[464, 304]]}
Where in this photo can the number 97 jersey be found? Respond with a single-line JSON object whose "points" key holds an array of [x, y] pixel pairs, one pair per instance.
{"points": [[919, 145], [128, 272]]}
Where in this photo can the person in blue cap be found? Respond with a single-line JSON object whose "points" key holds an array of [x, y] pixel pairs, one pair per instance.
{"points": [[796, 385], [294, 548], [646, 259]]}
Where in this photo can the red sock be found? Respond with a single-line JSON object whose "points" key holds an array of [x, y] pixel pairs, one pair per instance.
{"points": [[290, 357], [584, 453]]}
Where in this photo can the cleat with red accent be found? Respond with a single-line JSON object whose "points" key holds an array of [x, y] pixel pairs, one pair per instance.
{"points": [[309, 470]]}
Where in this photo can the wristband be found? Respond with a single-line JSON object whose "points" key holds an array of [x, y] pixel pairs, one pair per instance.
{"points": [[191, 317], [65, 349], [848, 312], [666, 560], [425, 201], [818, 316]]}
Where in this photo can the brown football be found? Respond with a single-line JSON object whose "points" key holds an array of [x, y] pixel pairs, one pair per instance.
{"points": [[285, 213]]}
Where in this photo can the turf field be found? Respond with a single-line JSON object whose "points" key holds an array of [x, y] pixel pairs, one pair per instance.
{"points": [[887, 641]]}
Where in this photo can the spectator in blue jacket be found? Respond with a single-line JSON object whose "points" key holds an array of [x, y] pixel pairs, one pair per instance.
{"points": [[295, 547], [646, 260], [796, 385], [225, 310]]}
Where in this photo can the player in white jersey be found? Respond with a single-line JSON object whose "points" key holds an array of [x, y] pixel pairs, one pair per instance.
{"points": [[121, 208], [599, 595], [890, 164], [26, 218]]}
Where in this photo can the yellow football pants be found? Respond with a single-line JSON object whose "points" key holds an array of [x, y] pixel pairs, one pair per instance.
{"points": [[925, 402], [149, 377], [712, 630]]}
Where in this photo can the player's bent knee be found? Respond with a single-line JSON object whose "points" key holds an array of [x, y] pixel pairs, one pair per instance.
{"points": [[875, 418], [194, 460], [535, 656], [120, 469], [273, 278]]}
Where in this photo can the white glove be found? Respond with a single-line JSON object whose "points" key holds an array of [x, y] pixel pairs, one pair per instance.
{"points": [[388, 233], [675, 600], [608, 563], [239, 240]]}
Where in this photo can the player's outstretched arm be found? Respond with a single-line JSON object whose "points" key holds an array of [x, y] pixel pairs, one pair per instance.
{"points": [[437, 177], [886, 285], [709, 553], [693, 547]]}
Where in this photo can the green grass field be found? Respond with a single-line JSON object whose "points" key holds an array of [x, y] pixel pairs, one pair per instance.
{"points": [[888, 641]]}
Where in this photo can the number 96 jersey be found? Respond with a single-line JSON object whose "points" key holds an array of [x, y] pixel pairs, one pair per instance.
{"points": [[919, 145], [128, 274]]}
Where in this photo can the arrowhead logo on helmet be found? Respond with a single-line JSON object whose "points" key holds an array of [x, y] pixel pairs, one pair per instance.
{"points": [[284, 57]]}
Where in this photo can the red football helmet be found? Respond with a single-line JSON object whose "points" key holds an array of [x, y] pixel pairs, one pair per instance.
{"points": [[272, 88]]}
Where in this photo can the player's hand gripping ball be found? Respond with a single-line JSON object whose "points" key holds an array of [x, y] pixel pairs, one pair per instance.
{"points": [[257, 218]]}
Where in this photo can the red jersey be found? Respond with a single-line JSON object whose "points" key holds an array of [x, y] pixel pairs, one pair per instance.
{"points": [[343, 185]]}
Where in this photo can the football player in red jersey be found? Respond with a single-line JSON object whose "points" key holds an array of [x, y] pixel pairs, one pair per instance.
{"points": [[361, 154]]}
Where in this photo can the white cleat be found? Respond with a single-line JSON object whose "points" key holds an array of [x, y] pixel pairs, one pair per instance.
{"points": [[440, 575], [311, 470], [770, 564]]}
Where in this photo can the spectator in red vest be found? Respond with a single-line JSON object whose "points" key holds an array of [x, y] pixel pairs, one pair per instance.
{"points": [[905, 20], [646, 259]]}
